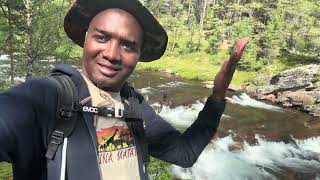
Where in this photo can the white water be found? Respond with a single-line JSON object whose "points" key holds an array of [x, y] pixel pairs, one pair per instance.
{"points": [[217, 162], [182, 116], [172, 84], [5, 65], [146, 90], [245, 100], [255, 162], [4, 57]]}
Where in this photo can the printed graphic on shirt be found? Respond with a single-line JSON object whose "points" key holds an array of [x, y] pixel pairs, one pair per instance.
{"points": [[114, 138], [115, 144]]}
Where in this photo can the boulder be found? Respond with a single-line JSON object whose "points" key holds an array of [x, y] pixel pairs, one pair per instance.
{"points": [[299, 87]]}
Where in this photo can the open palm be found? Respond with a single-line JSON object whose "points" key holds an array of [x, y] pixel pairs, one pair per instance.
{"points": [[224, 76]]}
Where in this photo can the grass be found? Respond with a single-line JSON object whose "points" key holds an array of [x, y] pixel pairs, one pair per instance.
{"points": [[5, 171], [198, 66], [158, 169]]}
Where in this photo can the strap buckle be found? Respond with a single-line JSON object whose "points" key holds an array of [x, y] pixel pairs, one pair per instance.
{"points": [[113, 112], [57, 137], [118, 113]]}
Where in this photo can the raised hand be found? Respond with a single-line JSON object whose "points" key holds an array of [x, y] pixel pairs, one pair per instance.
{"points": [[224, 76]]}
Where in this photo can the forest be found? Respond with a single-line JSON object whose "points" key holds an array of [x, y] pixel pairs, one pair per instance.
{"points": [[283, 33]]}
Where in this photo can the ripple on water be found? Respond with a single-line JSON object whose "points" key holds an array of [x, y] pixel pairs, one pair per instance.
{"points": [[263, 161]]}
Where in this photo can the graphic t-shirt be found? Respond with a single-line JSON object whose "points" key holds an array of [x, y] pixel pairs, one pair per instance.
{"points": [[116, 151]]}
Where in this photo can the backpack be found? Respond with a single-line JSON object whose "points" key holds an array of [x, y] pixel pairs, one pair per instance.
{"points": [[66, 112], [68, 108]]}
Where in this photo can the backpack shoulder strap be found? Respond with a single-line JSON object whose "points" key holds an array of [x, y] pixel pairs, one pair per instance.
{"points": [[128, 91], [66, 115], [134, 99]]}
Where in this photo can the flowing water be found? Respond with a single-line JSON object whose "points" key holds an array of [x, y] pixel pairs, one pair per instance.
{"points": [[254, 141]]}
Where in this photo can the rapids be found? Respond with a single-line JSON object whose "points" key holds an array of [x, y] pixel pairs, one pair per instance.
{"points": [[255, 140]]}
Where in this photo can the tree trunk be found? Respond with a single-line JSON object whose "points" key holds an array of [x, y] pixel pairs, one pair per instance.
{"points": [[189, 11], [29, 52], [174, 39], [11, 58], [10, 48], [203, 15]]}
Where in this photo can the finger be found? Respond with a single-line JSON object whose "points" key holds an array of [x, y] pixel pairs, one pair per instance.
{"points": [[241, 44], [238, 49]]}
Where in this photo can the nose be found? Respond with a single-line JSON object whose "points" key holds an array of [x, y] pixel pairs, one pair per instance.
{"points": [[111, 51]]}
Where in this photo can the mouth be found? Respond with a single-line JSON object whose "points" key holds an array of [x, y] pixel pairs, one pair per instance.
{"points": [[109, 70]]}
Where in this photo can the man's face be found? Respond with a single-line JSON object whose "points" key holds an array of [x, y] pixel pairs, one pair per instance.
{"points": [[112, 48]]}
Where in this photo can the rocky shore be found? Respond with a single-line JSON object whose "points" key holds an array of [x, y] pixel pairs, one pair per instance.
{"points": [[297, 87]]}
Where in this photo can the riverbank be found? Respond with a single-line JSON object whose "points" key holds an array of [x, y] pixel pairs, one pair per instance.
{"points": [[299, 89], [196, 66]]}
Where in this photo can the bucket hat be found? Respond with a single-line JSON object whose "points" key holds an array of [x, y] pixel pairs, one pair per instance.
{"points": [[79, 16]]}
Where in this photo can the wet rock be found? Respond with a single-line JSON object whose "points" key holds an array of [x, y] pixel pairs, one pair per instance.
{"points": [[299, 87], [234, 88], [209, 85], [235, 146]]}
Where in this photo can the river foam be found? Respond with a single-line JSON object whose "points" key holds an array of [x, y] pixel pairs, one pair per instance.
{"points": [[181, 116], [172, 84], [261, 161], [245, 100], [225, 159]]}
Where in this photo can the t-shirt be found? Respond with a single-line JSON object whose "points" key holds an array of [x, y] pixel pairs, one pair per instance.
{"points": [[116, 150]]}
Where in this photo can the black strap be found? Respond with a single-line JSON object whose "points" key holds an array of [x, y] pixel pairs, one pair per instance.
{"points": [[111, 112], [66, 112], [68, 107]]}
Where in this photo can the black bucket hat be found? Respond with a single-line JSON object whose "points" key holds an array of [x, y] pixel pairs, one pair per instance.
{"points": [[78, 18]]}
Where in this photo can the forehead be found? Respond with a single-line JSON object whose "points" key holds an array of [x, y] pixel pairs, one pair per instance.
{"points": [[114, 18]]}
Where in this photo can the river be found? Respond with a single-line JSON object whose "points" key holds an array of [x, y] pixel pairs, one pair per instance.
{"points": [[255, 140]]}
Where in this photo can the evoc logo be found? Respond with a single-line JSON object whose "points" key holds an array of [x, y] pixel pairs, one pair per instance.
{"points": [[90, 109]]}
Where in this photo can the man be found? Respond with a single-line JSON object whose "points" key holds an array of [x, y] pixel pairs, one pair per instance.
{"points": [[115, 35]]}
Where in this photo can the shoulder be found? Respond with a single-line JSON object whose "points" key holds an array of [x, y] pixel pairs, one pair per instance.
{"points": [[33, 85], [35, 91]]}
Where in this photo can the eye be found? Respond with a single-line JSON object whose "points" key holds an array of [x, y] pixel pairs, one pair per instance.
{"points": [[129, 46], [101, 38]]}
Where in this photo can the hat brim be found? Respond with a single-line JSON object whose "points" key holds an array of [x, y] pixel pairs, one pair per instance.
{"points": [[79, 16]]}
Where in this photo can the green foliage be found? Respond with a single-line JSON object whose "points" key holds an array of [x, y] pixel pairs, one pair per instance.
{"points": [[4, 86], [279, 29], [215, 32], [158, 170], [33, 33], [276, 28], [5, 171], [198, 66]]}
